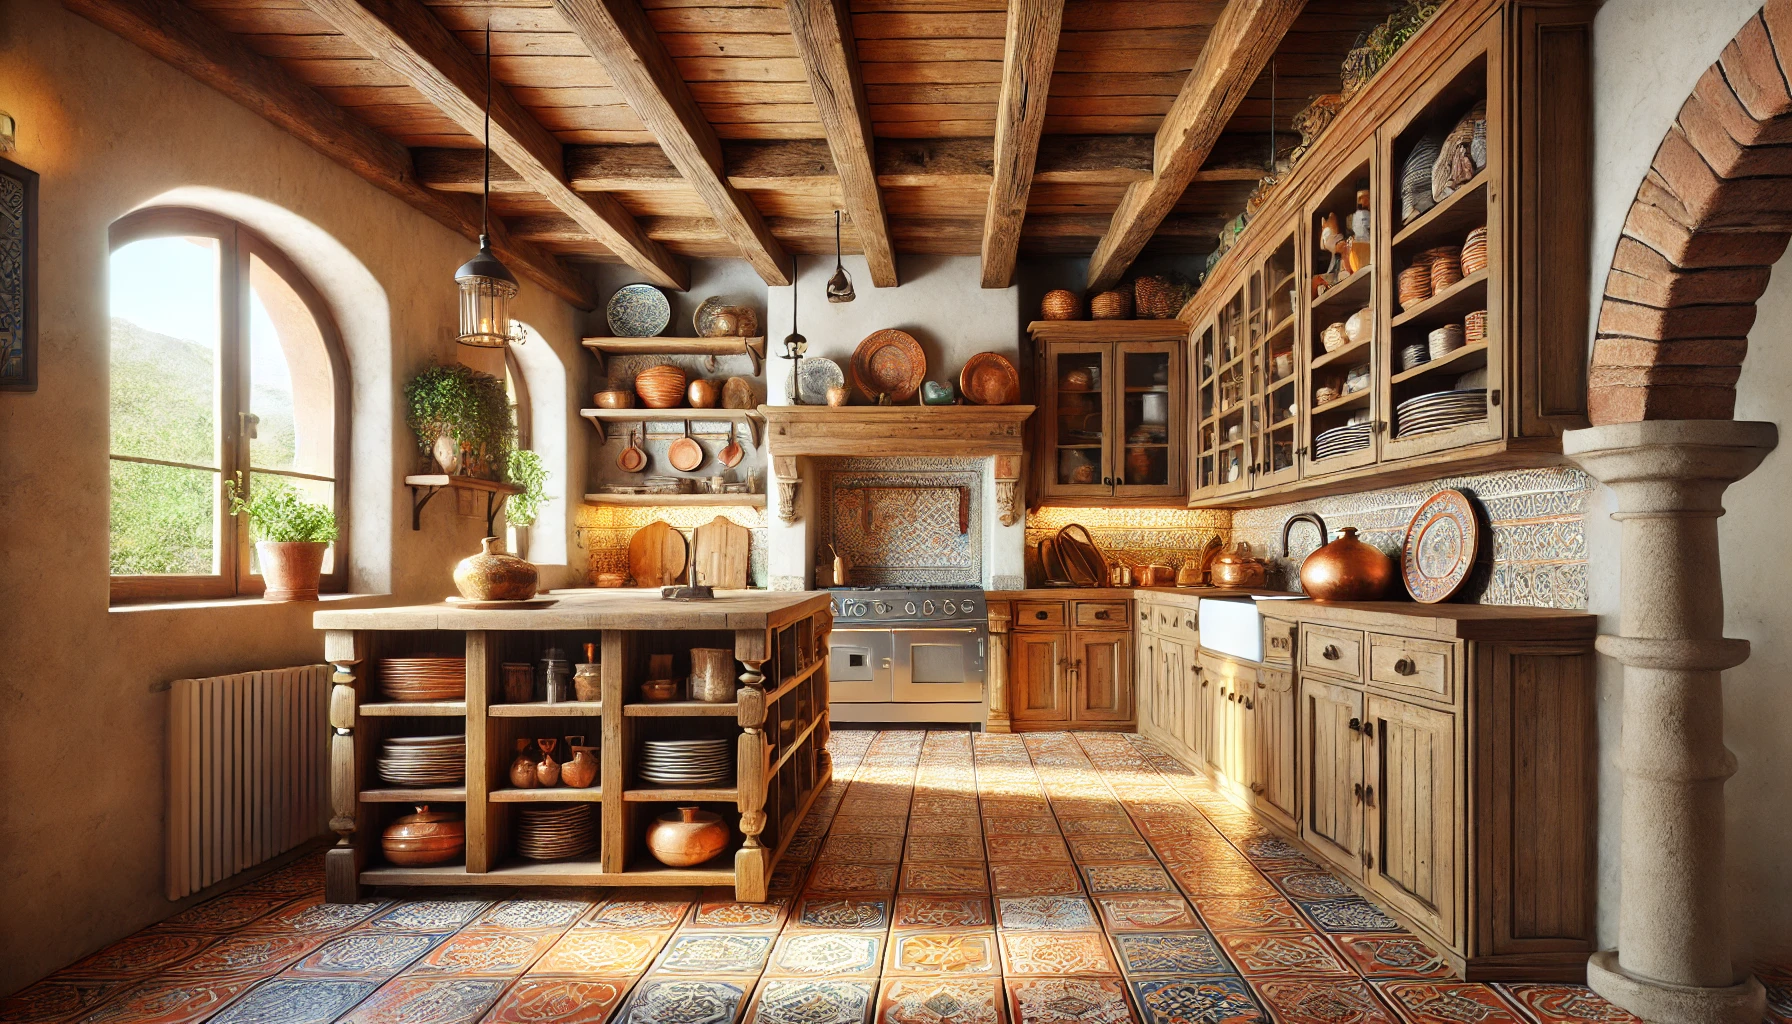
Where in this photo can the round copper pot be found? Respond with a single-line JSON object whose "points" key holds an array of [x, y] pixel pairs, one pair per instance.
{"points": [[1347, 570], [687, 836], [425, 839], [1238, 568]]}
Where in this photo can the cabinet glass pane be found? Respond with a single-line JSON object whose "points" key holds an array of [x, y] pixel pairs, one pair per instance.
{"points": [[1146, 417], [1082, 416]]}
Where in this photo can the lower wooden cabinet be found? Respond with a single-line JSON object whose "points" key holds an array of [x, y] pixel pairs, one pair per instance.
{"points": [[1272, 713], [1410, 801], [1038, 675], [1331, 758], [1071, 678], [1101, 682]]}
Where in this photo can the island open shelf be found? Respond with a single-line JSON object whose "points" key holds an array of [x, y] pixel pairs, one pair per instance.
{"points": [[778, 724]]}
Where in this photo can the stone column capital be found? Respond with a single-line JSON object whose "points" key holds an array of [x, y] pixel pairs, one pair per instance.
{"points": [[1664, 467]]}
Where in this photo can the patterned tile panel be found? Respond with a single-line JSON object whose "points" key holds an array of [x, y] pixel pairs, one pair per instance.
{"points": [[898, 520]]}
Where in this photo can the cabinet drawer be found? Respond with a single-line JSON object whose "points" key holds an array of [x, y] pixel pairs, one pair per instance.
{"points": [[1424, 666], [1038, 615], [1329, 649], [1100, 614], [1167, 620], [1278, 641]]}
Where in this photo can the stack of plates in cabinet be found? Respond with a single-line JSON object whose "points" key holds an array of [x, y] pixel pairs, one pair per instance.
{"points": [[686, 762], [555, 831], [424, 678], [1341, 440], [424, 760], [1440, 411]]}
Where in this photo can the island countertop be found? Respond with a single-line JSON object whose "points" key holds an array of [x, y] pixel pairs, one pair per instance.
{"points": [[621, 608]]}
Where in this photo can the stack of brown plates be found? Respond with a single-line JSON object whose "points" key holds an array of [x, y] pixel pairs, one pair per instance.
{"points": [[1474, 327], [424, 760], [1446, 270], [1474, 251], [424, 678], [1415, 285], [555, 831]]}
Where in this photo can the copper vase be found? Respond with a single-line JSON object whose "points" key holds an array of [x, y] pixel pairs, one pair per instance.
{"points": [[1346, 570], [522, 770], [493, 575], [581, 771], [547, 770], [686, 837]]}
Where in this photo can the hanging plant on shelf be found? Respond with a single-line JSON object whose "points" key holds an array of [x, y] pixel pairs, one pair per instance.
{"points": [[462, 420], [526, 471]]}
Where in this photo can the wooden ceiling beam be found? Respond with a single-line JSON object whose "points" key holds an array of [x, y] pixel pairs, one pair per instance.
{"points": [[1236, 51], [1029, 52], [188, 41], [618, 34], [824, 40], [407, 37]]}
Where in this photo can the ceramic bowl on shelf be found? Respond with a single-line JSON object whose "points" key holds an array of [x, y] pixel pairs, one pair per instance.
{"points": [[614, 399], [659, 691], [661, 387], [1334, 337], [1445, 339]]}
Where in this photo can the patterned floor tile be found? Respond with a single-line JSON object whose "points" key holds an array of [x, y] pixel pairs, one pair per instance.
{"points": [[942, 825], [139, 955], [812, 1001], [1559, 1004], [1110, 879], [1255, 914], [1314, 885], [429, 915], [526, 914], [1432, 1002], [728, 914], [943, 954], [1067, 1001], [485, 952], [1233, 881], [169, 1001], [1219, 1000], [1177, 954], [787, 879], [685, 1001], [944, 877], [850, 913], [312, 916], [1097, 825], [637, 914], [940, 912], [297, 1001], [600, 952], [1391, 957], [1046, 913], [1349, 914], [714, 954], [845, 878], [1056, 953], [940, 1001], [943, 803], [428, 1001], [1028, 848], [867, 848], [1301, 953], [249, 954], [1109, 849], [560, 1001], [57, 1000], [827, 954], [1031, 826], [1146, 912], [1034, 880], [1322, 1001], [226, 913], [365, 954], [960, 847]]}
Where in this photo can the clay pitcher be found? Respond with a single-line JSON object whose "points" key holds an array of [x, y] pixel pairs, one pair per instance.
{"points": [[547, 770], [581, 771], [686, 837], [522, 770], [493, 575]]}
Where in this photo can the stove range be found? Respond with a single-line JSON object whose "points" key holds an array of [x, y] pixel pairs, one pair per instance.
{"points": [[947, 605], [908, 654]]}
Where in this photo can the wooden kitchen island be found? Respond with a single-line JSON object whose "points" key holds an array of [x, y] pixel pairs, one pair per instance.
{"points": [[779, 721]]}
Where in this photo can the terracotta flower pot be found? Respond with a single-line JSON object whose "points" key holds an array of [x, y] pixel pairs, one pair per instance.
{"points": [[291, 568], [686, 837]]}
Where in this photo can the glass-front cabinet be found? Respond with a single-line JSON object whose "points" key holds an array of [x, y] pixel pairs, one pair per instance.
{"points": [[1274, 370], [1114, 411]]}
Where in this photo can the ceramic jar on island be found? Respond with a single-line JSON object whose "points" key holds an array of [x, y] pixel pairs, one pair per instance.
{"points": [[522, 767], [686, 837], [493, 575], [712, 675], [587, 678]]}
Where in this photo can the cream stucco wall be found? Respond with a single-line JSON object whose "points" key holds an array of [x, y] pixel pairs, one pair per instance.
{"points": [[110, 128], [1647, 55]]}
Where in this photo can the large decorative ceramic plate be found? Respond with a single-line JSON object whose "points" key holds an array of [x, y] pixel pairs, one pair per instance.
{"points": [[1440, 546], [817, 376], [638, 311], [988, 378], [889, 362]]}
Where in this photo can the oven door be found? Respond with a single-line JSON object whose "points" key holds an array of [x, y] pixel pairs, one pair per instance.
{"points": [[939, 665], [859, 666]]}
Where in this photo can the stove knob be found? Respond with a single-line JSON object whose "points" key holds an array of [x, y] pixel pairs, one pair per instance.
{"points": [[834, 607], [858, 609], [880, 606], [909, 608], [951, 609], [968, 608], [926, 607]]}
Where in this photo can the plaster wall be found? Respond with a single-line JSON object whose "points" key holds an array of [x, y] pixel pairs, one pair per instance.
{"points": [[110, 128], [1647, 55]]}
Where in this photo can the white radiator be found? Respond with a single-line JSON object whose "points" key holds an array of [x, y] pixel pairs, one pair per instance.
{"points": [[248, 771]]}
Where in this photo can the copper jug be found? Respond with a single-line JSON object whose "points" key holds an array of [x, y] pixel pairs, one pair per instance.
{"points": [[581, 771], [1347, 570], [425, 839], [547, 770], [686, 837], [522, 769]]}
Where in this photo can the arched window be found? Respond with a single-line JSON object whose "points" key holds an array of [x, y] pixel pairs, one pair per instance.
{"points": [[224, 365]]}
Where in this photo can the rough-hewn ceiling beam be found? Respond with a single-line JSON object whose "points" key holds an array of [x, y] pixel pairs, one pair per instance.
{"points": [[1028, 54], [1236, 51], [406, 37], [617, 33], [824, 40], [181, 37]]}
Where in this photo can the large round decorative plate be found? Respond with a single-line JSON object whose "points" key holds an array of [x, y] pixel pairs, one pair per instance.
{"points": [[889, 362], [988, 378], [1440, 546], [817, 376], [638, 311]]}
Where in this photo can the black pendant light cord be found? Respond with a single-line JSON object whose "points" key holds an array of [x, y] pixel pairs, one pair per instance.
{"points": [[836, 239], [485, 194], [1272, 117]]}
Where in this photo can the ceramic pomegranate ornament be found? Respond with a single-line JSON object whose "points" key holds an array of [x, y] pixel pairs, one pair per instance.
{"points": [[1347, 569]]}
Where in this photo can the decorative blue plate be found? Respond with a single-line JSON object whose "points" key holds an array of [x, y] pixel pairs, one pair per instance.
{"points": [[638, 311]]}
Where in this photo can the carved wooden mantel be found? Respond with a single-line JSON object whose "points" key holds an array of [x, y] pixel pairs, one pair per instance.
{"points": [[903, 430]]}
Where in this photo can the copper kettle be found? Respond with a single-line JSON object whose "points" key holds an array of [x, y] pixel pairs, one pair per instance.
{"points": [[1347, 569], [1237, 567]]}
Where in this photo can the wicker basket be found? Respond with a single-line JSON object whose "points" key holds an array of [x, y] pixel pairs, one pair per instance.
{"points": [[1061, 304], [1111, 305], [1474, 327], [1474, 251], [661, 387]]}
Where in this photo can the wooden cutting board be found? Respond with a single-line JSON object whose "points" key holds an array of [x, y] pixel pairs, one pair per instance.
{"points": [[656, 554], [721, 559]]}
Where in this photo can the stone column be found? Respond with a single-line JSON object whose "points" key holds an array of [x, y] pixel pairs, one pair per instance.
{"points": [[1673, 962]]}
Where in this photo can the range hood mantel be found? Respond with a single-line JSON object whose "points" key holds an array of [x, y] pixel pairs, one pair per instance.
{"points": [[902, 430]]}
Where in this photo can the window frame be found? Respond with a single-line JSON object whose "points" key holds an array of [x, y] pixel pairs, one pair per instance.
{"points": [[237, 244]]}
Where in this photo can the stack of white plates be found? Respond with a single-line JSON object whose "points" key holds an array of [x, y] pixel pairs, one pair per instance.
{"points": [[424, 760], [1440, 411], [1341, 440], [686, 762], [555, 831]]}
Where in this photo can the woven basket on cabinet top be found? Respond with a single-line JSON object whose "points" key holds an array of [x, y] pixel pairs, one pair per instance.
{"points": [[1060, 304], [1111, 305]]}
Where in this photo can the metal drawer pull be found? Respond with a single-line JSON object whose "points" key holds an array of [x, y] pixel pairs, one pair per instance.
{"points": [[1250, 704], [1368, 730], [1042, 616], [1356, 725], [1369, 795], [1359, 792], [1102, 614], [1406, 667], [1331, 653]]}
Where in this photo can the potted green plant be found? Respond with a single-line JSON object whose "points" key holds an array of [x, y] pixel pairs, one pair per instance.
{"points": [[520, 510], [462, 419], [291, 536]]}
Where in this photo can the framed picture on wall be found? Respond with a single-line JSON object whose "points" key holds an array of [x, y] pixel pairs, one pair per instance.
{"points": [[18, 278]]}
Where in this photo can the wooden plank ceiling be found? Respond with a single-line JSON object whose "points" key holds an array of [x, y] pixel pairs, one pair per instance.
{"points": [[696, 131]]}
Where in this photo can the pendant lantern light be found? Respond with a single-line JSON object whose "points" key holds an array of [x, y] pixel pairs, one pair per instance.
{"points": [[840, 285], [486, 285], [794, 344]]}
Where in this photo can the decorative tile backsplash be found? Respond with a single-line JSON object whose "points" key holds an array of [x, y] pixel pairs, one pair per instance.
{"points": [[903, 521], [605, 532], [1131, 536]]}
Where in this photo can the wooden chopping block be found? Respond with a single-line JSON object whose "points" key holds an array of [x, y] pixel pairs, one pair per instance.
{"points": [[721, 558], [656, 555]]}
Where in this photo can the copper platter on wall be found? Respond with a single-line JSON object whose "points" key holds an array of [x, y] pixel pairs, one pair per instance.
{"points": [[889, 362], [1440, 547], [988, 378]]}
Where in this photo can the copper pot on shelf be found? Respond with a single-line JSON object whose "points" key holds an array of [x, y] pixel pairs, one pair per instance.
{"points": [[1237, 567], [686, 837], [1347, 569], [425, 839]]}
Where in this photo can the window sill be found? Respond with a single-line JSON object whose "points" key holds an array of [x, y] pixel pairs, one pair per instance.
{"points": [[327, 600]]}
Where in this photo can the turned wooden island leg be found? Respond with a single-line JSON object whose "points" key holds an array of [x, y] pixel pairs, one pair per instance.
{"points": [[752, 863], [996, 669], [342, 863]]}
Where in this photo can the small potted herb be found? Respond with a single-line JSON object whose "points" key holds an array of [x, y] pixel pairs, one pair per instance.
{"points": [[462, 419], [291, 536], [521, 510]]}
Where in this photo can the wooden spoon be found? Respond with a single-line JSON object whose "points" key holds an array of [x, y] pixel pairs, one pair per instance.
{"points": [[732, 454], [632, 459]]}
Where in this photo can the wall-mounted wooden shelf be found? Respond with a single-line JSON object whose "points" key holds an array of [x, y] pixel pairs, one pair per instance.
{"points": [[713, 348], [424, 487], [751, 417], [678, 500]]}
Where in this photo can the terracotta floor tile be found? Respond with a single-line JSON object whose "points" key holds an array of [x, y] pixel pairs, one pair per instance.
{"points": [[714, 954], [1219, 1000], [943, 954], [365, 954], [56, 999], [1031, 826], [1046, 913], [1560, 1004], [1099, 825], [560, 1001], [1391, 957], [600, 952], [1314, 885], [1145, 912], [827, 954], [864, 848], [1067, 1001], [1321, 1000], [428, 1001], [729, 914], [964, 847], [1034, 880], [968, 878], [851, 913], [1251, 914], [942, 825], [297, 1001], [1434, 1002], [169, 1001], [1236, 881], [812, 1001], [1348, 914], [485, 952], [1304, 954], [1056, 953], [528, 914], [1184, 954], [637, 915], [250, 954], [847, 878], [313, 916], [139, 955], [226, 913], [941, 912], [941, 1001], [870, 825], [1027, 848], [1109, 849], [668, 1000], [444, 915], [1112, 879]]}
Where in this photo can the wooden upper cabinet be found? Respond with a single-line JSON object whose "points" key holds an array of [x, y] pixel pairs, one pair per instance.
{"points": [[1113, 396], [1527, 193]]}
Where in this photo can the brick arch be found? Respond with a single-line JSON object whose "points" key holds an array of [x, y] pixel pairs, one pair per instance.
{"points": [[1713, 214]]}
